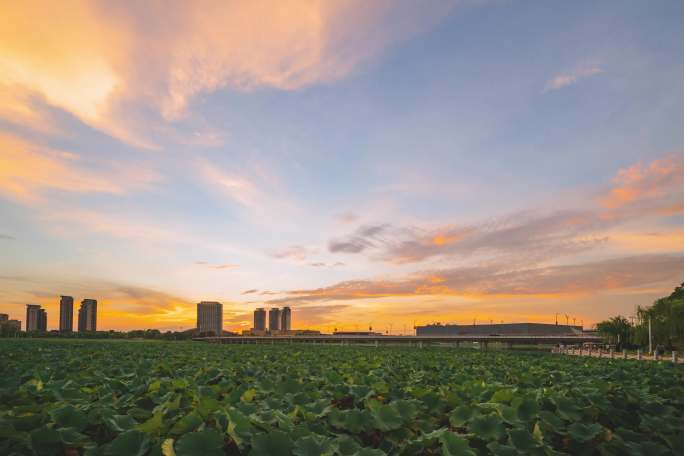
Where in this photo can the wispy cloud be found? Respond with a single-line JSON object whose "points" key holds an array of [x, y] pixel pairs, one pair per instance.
{"points": [[572, 77], [363, 238], [111, 67], [490, 281], [296, 252], [219, 266], [7, 237], [656, 187], [638, 192], [347, 217], [29, 171]]}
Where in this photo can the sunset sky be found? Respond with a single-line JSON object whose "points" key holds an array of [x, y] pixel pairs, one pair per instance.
{"points": [[383, 163]]}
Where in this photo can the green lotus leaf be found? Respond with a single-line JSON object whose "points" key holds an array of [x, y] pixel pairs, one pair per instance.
{"points": [[568, 409], [387, 418], [120, 423], [313, 445], [369, 452], [68, 416], [522, 440], [248, 395], [581, 432], [488, 427], [552, 421], [188, 423], [130, 443], [526, 408], [240, 429], [503, 396], [455, 445], [208, 442], [153, 425], [45, 441], [275, 443], [460, 416], [407, 409], [72, 438], [498, 449]]}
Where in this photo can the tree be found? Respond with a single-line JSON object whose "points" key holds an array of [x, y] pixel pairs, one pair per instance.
{"points": [[617, 330]]}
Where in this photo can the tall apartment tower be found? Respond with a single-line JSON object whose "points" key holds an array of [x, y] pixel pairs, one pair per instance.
{"points": [[66, 314], [285, 319], [210, 317], [260, 319], [36, 318], [274, 319], [87, 315]]}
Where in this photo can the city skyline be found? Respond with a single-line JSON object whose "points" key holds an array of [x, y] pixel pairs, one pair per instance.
{"points": [[379, 164]]}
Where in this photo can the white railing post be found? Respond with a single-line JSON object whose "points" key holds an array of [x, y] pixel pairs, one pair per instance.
{"points": [[612, 354], [639, 355], [656, 355], [624, 354], [674, 356]]}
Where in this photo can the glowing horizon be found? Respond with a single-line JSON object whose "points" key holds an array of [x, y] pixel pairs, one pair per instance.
{"points": [[381, 164]]}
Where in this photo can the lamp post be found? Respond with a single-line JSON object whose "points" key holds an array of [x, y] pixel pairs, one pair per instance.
{"points": [[650, 337]]}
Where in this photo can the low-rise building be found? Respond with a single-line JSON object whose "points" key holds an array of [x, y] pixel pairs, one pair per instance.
{"points": [[503, 329]]}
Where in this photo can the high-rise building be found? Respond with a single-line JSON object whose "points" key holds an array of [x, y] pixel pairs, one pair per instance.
{"points": [[285, 319], [66, 314], [210, 318], [274, 319], [87, 316], [4, 317], [260, 319], [36, 318]]}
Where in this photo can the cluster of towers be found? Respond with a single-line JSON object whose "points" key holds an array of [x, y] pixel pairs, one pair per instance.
{"points": [[278, 319], [36, 316]]}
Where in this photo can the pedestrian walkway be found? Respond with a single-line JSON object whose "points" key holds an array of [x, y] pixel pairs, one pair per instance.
{"points": [[672, 357]]}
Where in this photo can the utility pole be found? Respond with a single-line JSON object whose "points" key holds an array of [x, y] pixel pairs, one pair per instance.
{"points": [[567, 320], [556, 318]]}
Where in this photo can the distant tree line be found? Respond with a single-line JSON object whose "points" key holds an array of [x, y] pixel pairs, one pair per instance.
{"points": [[666, 316], [7, 331]]}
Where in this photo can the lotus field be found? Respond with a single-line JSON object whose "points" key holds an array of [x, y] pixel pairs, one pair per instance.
{"points": [[132, 398]]}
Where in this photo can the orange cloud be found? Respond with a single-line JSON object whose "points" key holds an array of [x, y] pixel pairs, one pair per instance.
{"points": [[500, 281], [446, 239], [109, 64], [27, 171], [660, 179]]}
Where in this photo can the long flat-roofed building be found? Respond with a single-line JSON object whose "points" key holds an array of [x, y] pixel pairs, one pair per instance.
{"points": [[210, 318], [260, 319], [274, 319], [87, 316], [503, 329], [66, 314], [285, 319], [4, 317]]}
